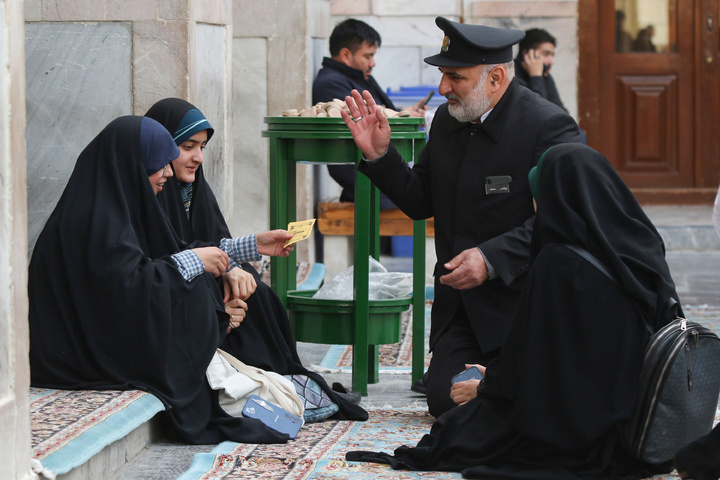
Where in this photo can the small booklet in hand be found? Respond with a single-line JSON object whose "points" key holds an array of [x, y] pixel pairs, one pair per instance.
{"points": [[472, 373]]}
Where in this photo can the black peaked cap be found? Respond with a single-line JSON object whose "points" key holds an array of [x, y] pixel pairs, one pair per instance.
{"points": [[467, 45]]}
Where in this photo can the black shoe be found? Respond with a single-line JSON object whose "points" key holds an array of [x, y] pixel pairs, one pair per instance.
{"points": [[700, 460], [419, 385], [345, 394]]}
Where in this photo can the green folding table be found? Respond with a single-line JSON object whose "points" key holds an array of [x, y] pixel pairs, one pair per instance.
{"points": [[361, 322]]}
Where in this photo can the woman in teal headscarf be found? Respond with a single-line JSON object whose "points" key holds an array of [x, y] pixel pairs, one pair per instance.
{"points": [[264, 337]]}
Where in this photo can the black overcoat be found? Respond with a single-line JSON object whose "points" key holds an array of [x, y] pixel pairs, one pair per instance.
{"points": [[449, 183]]}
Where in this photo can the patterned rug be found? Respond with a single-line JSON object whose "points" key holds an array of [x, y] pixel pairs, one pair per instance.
{"points": [[396, 358], [70, 426], [318, 452]]}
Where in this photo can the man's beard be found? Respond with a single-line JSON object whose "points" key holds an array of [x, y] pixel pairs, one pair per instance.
{"points": [[475, 103]]}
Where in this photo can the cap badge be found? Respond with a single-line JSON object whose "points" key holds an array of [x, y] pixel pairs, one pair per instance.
{"points": [[446, 44]]}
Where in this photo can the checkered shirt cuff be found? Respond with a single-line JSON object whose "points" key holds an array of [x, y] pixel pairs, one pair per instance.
{"points": [[189, 264], [240, 250]]}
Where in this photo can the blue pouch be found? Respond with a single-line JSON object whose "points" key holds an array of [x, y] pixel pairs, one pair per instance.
{"points": [[272, 416]]}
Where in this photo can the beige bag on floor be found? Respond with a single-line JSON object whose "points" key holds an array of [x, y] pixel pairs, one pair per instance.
{"points": [[235, 381]]}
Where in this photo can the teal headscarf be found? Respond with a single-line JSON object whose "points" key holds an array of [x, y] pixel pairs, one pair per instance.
{"points": [[192, 122], [534, 176]]}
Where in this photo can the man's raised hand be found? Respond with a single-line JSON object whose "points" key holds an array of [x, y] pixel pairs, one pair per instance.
{"points": [[368, 124]]}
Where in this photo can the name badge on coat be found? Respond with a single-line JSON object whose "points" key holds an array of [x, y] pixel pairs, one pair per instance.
{"points": [[499, 184]]}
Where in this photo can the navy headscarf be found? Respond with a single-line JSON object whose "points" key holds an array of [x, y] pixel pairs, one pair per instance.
{"points": [[157, 147]]}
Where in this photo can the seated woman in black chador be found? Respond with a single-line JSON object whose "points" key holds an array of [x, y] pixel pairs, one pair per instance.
{"points": [[264, 339], [117, 301], [551, 404]]}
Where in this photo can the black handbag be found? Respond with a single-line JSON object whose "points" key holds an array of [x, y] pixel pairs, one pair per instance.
{"points": [[679, 385]]}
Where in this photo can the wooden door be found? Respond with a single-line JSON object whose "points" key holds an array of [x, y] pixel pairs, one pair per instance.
{"points": [[649, 96]]}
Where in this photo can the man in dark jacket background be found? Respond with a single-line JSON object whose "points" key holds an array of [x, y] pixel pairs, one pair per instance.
{"points": [[472, 176], [353, 44], [536, 56]]}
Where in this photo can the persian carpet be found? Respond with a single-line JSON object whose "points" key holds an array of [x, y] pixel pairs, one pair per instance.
{"points": [[396, 358], [318, 452], [70, 426]]}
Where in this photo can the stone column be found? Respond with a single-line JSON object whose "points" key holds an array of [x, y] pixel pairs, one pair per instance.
{"points": [[272, 71], [15, 450], [90, 62]]}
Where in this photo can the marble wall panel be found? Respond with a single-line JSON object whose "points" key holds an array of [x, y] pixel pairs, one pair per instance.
{"points": [[251, 179], [6, 221], [218, 12], [212, 97], [69, 10], [418, 7], [160, 62], [398, 67], [98, 10], [254, 19], [292, 18], [409, 31], [351, 7], [526, 8], [33, 10], [289, 76], [78, 80], [130, 9], [172, 10], [318, 17], [15, 445]]}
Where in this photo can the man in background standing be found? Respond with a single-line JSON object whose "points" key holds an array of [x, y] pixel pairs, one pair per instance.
{"points": [[353, 44], [535, 58]]}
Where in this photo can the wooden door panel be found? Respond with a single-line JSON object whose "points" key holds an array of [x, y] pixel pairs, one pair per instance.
{"points": [[655, 116], [707, 88], [646, 111]]}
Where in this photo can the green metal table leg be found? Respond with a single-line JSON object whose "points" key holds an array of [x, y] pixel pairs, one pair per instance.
{"points": [[418, 346], [282, 174], [374, 238], [360, 283]]}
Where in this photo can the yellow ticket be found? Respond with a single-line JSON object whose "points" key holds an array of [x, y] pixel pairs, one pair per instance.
{"points": [[300, 230]]}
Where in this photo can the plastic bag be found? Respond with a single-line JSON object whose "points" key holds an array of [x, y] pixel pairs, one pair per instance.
{"points": [[381, 284]]}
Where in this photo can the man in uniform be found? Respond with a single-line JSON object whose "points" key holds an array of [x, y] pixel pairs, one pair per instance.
{"points": [[472, 177]]}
